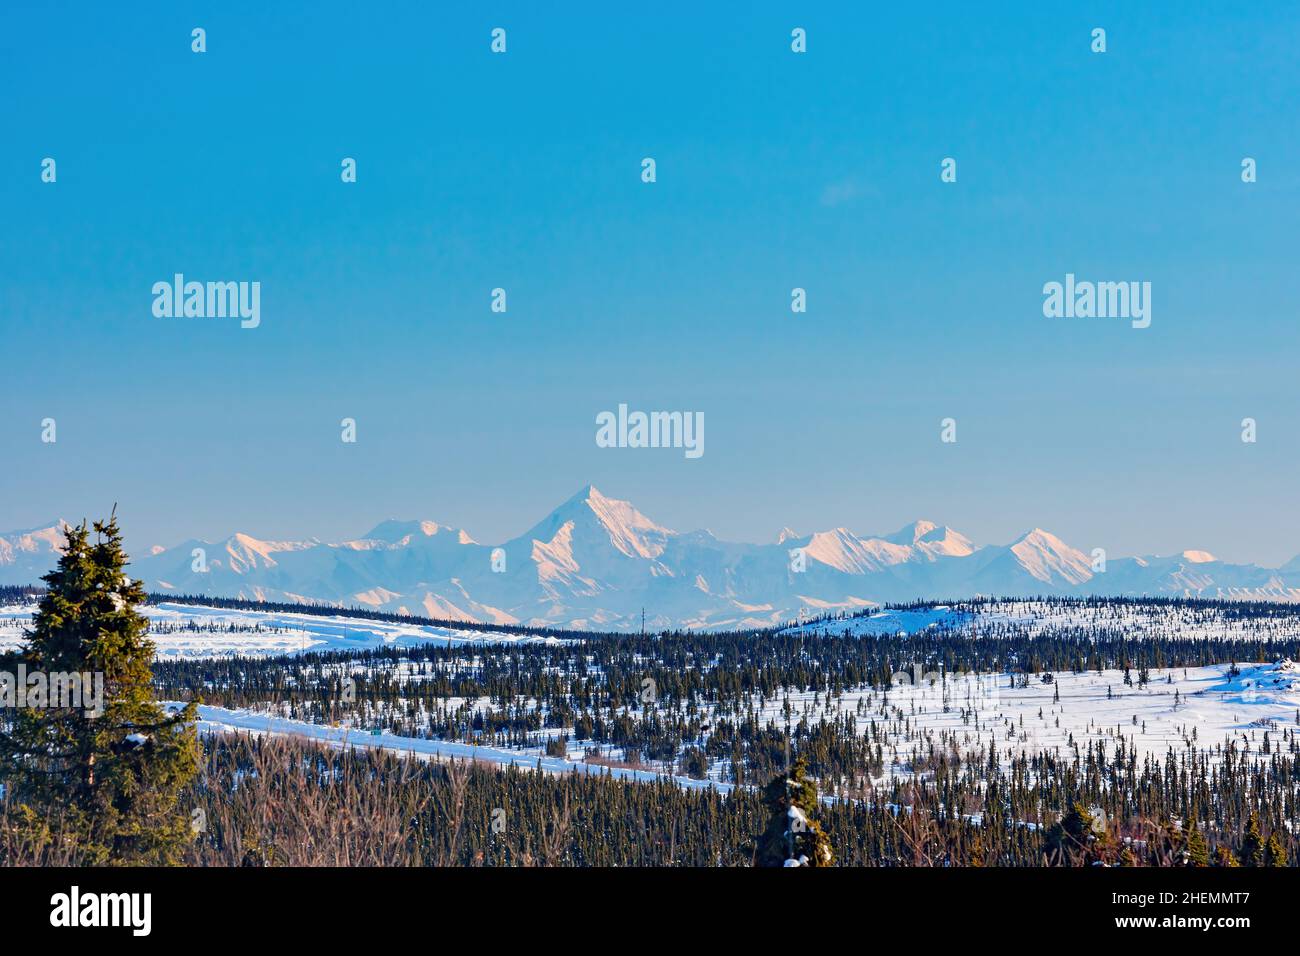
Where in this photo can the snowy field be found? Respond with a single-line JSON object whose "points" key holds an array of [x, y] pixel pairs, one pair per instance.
{"points": [[1198, 707], [188, 631]]}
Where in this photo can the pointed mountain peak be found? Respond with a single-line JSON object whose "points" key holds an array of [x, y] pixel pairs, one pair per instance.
{"points": [[590, 512], [912, 533], [932, 540], [787, 534], [1037, 536], [244, 548], [587, 493], [611, 512], [1048, 558], [844, 551], [1038, 541]]}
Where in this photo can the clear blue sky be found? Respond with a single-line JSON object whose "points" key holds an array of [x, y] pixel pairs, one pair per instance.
{"points": [[775, 170]]}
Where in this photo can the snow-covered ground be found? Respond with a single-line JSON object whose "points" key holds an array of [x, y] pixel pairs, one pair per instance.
{"points": [[1200, 707], [189, 631], [221, 720]]}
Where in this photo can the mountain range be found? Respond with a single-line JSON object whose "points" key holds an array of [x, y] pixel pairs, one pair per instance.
{"points": [[597, 562]]}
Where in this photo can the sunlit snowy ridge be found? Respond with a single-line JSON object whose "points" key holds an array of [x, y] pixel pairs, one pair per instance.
{"points": [[189, 631]]}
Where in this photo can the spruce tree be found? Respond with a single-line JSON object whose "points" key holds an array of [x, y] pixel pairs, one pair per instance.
{"points": [[1252, 844], [1198, 853], [1274, 851], [793, 837], [107, 782], [1077, 839]]}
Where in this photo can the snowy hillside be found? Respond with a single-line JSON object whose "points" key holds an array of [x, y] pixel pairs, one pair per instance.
{"points": [[187, 631]]}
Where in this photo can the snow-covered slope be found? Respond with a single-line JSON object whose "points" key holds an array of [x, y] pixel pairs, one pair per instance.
{"points": [[1036, 562], [196, 632], [595, 562]]}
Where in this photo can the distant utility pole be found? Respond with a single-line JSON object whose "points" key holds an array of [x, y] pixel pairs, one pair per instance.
{"points": [[643, 622]]}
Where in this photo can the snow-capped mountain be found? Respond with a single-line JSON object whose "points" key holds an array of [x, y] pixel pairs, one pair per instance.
{"points": [[931, 541], [595, 562], [26, 555]]}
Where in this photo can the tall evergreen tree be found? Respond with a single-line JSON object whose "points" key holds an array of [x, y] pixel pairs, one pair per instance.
{"points": [[1077, 839], [793, 837], [1274, 851], [107, 781], [1252, 845], [1198, 853]]}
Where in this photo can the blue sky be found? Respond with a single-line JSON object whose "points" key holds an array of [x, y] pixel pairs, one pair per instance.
{"points": [[775, 170]]}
